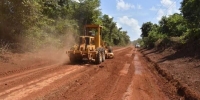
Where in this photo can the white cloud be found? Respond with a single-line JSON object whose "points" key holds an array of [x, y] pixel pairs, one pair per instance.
{"points": [[132, 24], [118, 25], [166, 3], [121, 5], [160, 14], [109, 16], [153, 9], [139, 7], [168, 7]]}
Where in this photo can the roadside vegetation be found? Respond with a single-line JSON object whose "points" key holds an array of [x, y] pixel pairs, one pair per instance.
{"points": [[28, 25], [173, 46], [179, 30]]}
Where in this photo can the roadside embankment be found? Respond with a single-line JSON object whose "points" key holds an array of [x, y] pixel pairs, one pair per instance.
{"points": [[183, 72]]}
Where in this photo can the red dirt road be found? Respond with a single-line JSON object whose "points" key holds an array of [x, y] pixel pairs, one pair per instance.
{"points": [[126, 77]]}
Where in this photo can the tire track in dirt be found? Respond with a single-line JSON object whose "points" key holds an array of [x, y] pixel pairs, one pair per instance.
{"points": [[125, 77], [122, 75], [121, 49], [21, 91], [143, 86], [94, 84], [25, 74], [9, 82], [23, 69]]}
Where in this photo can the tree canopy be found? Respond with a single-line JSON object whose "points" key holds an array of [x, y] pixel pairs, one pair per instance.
{"points": [[184, 26], [172, 26], [146, 28], [45, 21]]}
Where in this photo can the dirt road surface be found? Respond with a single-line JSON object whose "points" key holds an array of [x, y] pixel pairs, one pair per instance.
{"points": [[126, 77]]}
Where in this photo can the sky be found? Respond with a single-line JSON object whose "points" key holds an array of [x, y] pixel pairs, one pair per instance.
{"points": [[131, 14]]}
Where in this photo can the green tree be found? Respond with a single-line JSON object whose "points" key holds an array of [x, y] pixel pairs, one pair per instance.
{"points": [[164, 29], [146, 28], [176, 25], [117, 37], [190, 10], [112, 34], [18, 16], [109, 26], [48, 21], [88, 11]]}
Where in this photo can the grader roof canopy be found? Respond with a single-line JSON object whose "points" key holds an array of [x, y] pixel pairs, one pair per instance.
{"points": [[93, 26]]}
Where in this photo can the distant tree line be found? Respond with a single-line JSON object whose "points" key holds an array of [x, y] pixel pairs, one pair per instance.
{"points": [[185, 27], [47, 21]]}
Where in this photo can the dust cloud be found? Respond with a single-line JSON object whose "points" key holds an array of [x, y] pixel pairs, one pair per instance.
{"points": [[53, 51]]}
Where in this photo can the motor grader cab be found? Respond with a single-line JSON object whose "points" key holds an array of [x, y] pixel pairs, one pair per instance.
{"points": [[90, 47]]}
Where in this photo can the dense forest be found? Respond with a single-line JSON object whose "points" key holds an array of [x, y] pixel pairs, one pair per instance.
{"points": [[183, 28], [32, 24]]}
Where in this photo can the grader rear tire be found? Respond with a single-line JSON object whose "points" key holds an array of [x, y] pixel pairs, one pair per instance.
{"points": [[99, 57], [103, 56]]}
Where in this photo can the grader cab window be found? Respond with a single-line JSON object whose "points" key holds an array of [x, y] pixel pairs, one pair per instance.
{"points": [[81, 40], [87, 40], [91, 32]]}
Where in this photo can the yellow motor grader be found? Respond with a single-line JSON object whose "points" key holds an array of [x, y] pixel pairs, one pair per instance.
{"points": [[91, 46]]}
